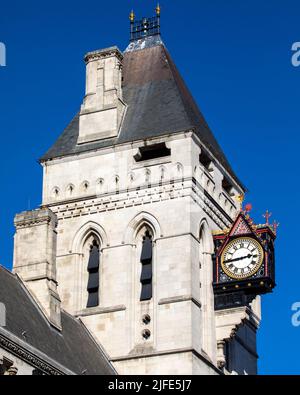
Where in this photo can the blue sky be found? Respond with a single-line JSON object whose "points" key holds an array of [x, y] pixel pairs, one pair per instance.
{"points": [[236, 58]]}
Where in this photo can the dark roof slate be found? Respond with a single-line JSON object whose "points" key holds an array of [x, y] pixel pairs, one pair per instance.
{"points": [[73, 348], [159, 103]]}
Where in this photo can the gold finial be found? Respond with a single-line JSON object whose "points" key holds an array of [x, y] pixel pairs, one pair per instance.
{"points": [[240, 198], [131, 16], [158, 9]]}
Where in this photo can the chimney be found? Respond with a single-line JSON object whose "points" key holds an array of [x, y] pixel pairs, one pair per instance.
{"points": [[103, 108], [35, 259]]}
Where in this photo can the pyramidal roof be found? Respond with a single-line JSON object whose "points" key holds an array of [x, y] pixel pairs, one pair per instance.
{"points": [[158, 103]]}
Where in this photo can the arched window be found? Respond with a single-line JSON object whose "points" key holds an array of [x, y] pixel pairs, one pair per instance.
{"points": [[147, 270], [93, 274]]}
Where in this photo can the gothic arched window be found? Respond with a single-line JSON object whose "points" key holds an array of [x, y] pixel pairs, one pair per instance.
{"points": [[94, 277], [147, 271]]}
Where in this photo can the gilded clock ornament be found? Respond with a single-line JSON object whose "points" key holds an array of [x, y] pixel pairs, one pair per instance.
{"points": [[244, 262], [242, 258]]}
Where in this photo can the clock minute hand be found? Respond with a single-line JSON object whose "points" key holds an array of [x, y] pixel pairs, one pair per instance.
{"points": [[239, 259]]}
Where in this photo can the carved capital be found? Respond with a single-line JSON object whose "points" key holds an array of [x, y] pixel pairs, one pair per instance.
{"points": [[103, 54]]}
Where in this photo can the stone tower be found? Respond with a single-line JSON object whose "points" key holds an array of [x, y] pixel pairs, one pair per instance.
{"points": [[137, 184]]}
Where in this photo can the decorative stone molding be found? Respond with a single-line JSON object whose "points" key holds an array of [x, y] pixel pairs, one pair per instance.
{"points": [[229, 320], [104, 53], [180, 299], [100, 311], [154, 354], [12, 371], [131, 197], [83, 232], [34, 218], [228, 323], [28, 357], [221, 354], [137, 222]]}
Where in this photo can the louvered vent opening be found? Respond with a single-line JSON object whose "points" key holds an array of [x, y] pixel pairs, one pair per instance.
{"points": [[147, 270], [94, 279]]}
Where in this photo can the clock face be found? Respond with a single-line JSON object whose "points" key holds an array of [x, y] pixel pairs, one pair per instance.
{"points": [[242, 258]]}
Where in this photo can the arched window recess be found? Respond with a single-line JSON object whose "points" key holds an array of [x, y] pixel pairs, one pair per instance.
{"points": [[94, 277], [147, 269]]}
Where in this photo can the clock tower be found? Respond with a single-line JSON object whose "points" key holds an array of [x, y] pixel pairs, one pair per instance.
{"points": [[141, 232]]}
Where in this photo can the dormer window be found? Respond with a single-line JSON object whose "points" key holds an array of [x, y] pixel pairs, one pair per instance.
{"points": [[155, 151]]}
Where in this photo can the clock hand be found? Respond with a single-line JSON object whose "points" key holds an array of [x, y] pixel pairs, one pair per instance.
{"points": [[240, 259]]}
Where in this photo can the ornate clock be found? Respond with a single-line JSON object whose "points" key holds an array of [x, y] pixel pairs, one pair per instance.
{"points": [[242, 258], [243, 263]]}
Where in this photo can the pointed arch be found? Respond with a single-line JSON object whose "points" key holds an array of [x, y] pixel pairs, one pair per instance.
{"points": [[139, 221], [84, 232], [206, 236], [141, 237], [87, 246]]}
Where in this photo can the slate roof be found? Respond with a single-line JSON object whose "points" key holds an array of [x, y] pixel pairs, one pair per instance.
{"points": [[159, 103], [73, 348]]}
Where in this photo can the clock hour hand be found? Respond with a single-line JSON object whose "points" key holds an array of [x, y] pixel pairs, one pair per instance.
{"points": [[241, 258]]}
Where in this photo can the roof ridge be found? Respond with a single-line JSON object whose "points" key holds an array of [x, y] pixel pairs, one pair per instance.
{"points": [[173, 68]]}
